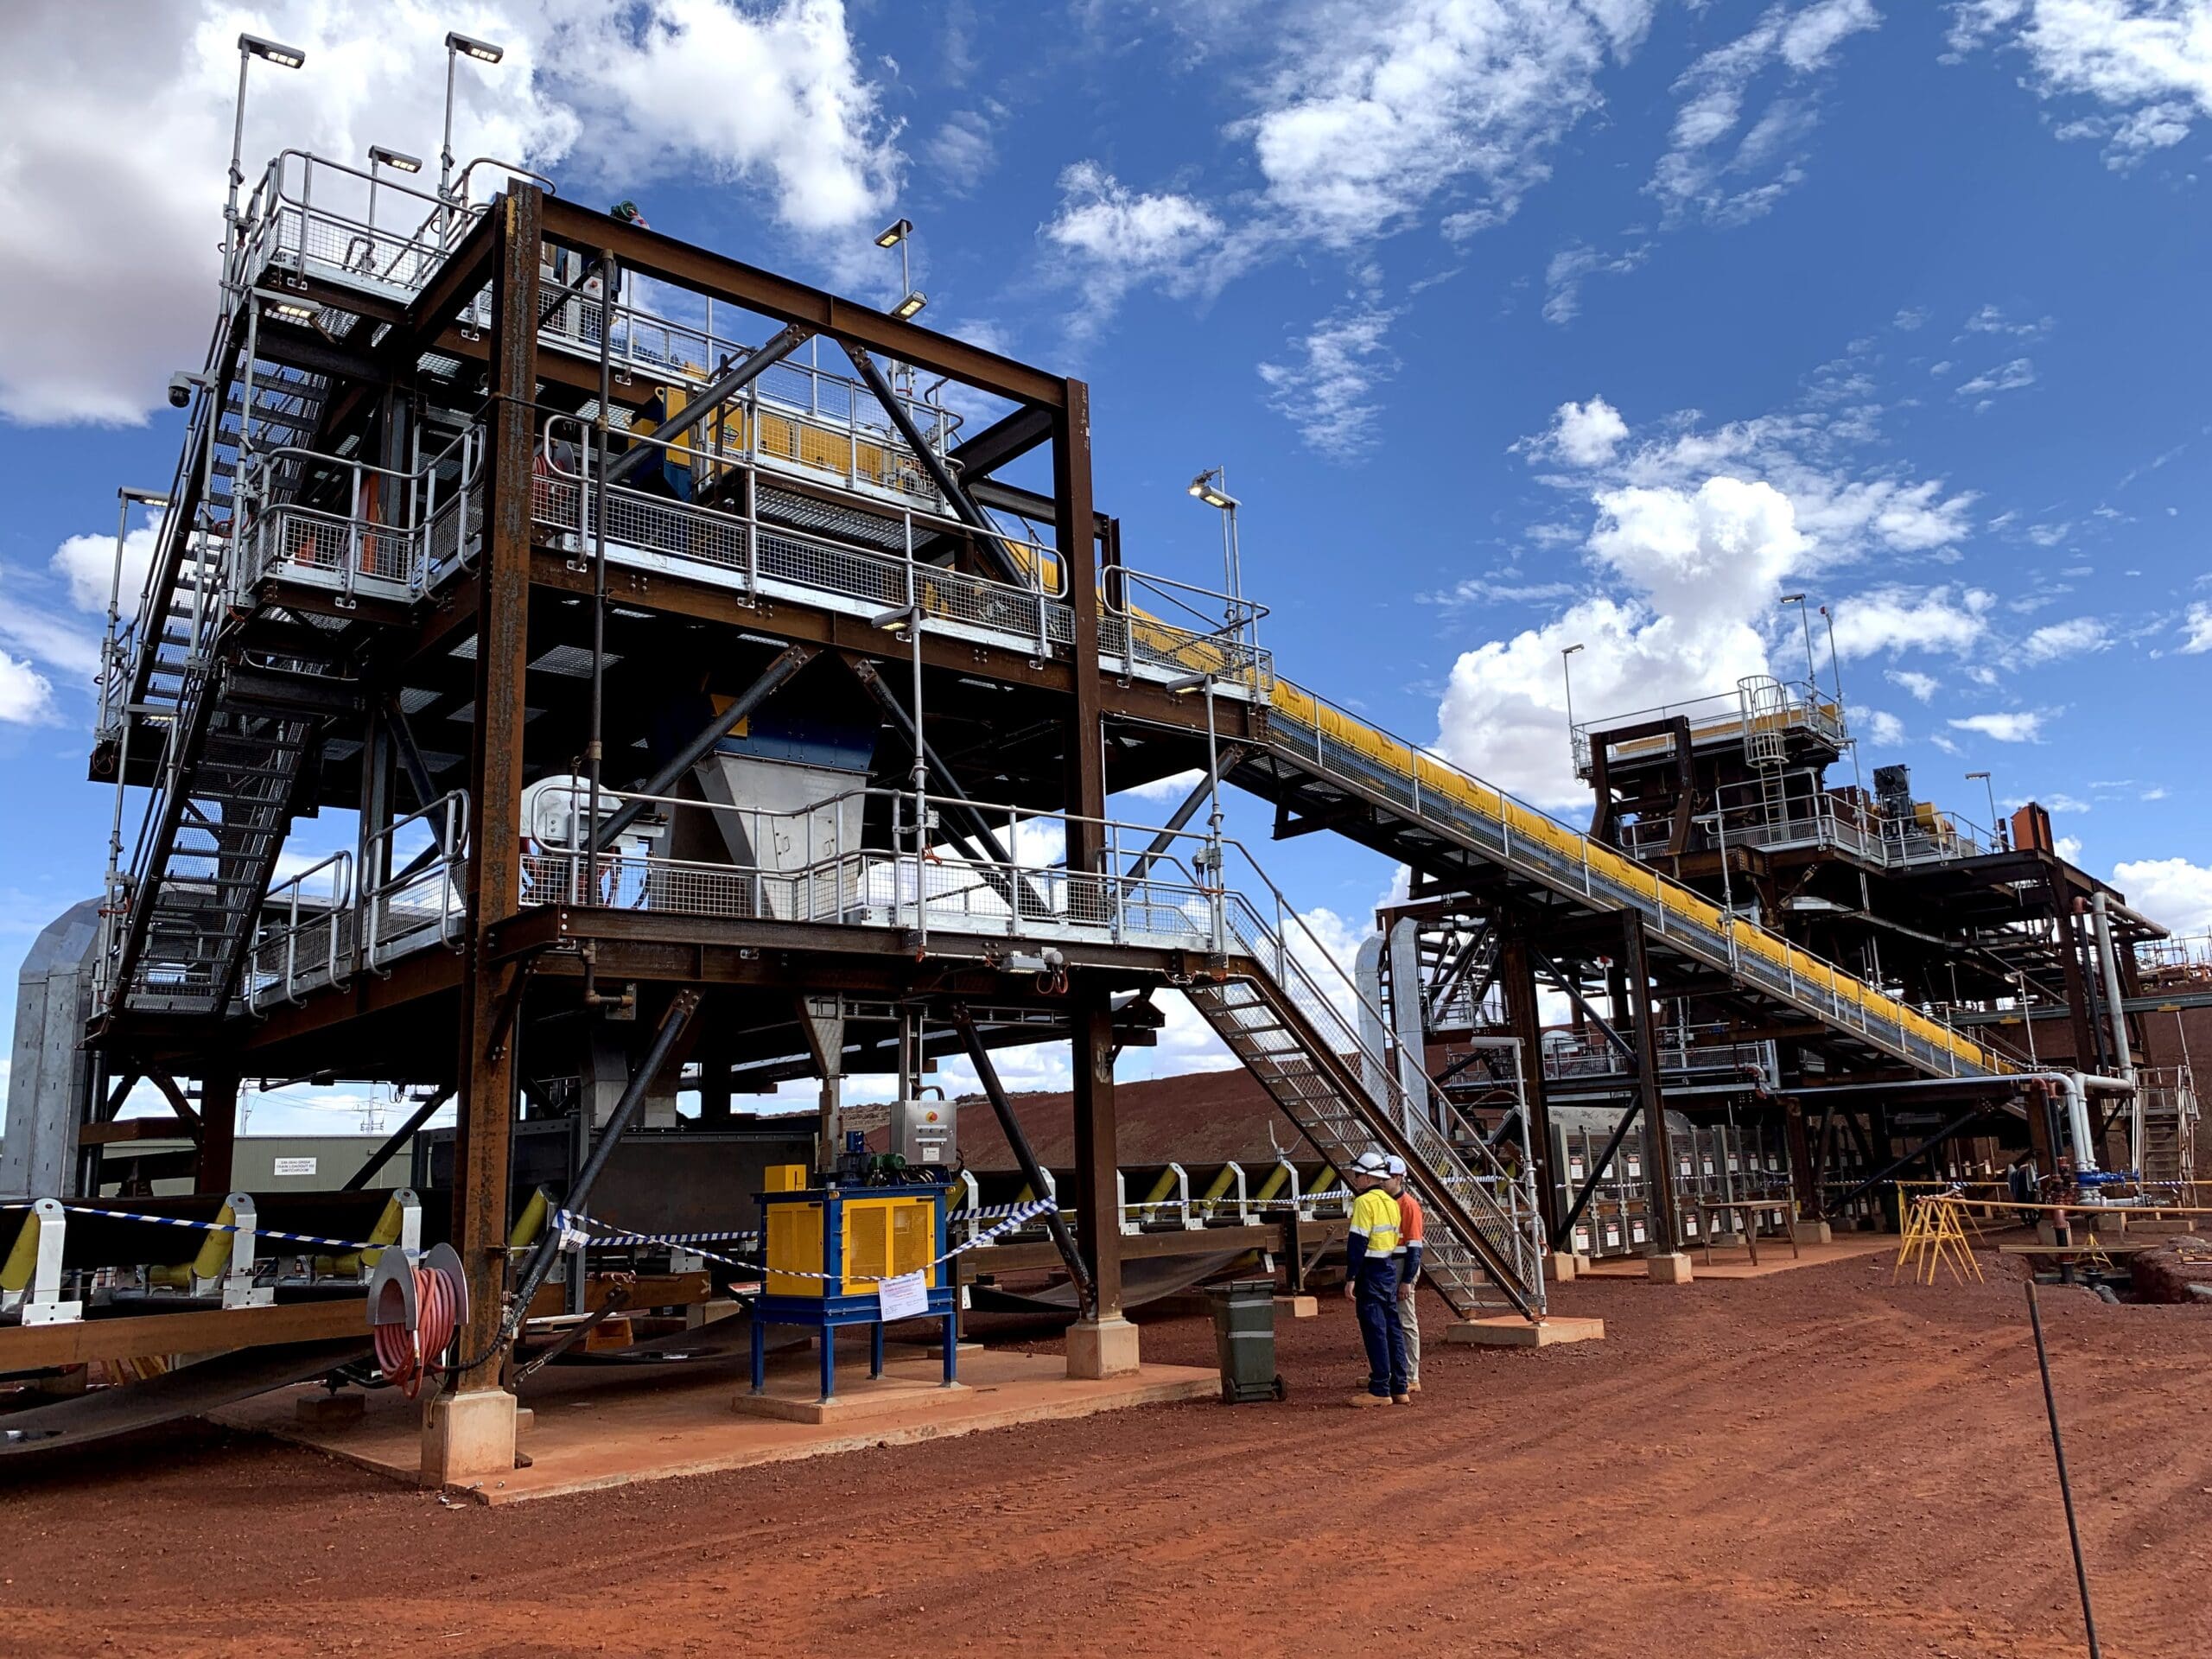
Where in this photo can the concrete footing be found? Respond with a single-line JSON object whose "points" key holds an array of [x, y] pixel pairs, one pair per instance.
{"points": [[1563, 1267], [1671, 1268], [1100, 1348], [1510, 1331], [1298, 1307], [469, 1437], [1813, 1232]]}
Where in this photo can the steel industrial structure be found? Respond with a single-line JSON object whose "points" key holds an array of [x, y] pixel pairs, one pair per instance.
{"points": [[1987, 930], [706, 700]]}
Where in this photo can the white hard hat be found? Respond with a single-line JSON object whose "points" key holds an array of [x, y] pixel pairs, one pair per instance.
{"points": [[1371, 1162], [1396, 1164]]}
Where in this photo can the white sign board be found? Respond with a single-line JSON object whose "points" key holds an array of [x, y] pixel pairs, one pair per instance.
{"points": [[294, 1166], [906, 1297]]}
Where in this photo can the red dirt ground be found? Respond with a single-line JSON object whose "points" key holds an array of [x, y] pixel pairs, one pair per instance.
{"points": [[1813, 1463]]}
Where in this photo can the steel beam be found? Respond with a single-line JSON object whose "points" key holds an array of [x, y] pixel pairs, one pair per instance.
{"points": [[398, 1138], [219, 1131], [1008, 569], [1001, 442], [1964, 1119], [725, 387], [1200, 793], [793, 658], [1516, 972], [1031, 1170], [1659, 1154], [1075, 532], [1098, 1196], [712, 275], [485, 1062]]}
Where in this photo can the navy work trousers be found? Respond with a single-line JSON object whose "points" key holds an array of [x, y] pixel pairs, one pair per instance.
{"points": [[1376, 1299]]}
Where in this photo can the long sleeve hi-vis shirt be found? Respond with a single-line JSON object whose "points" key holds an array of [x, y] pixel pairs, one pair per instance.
{"points": [[1409, 1235], [1373, 1228]]}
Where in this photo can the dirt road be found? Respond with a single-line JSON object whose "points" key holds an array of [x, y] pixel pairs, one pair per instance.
{"points": [[1811, 1463]]}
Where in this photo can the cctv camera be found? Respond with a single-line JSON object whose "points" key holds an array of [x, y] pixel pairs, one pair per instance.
{"points": [[180, 391]]}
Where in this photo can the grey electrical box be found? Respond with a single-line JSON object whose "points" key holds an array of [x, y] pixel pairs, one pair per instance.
{"points": [[925, 1131]]}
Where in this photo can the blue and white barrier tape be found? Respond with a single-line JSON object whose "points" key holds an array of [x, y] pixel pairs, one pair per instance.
{"points": [[340, 1244], [571, 1228]]}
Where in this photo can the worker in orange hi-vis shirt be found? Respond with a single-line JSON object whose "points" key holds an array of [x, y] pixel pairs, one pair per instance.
{"points": [[1409, 1268]]}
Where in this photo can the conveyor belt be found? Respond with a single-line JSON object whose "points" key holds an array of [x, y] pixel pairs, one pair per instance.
{"points": [[1145, 1279], [190, 1392], [1326, 743]]}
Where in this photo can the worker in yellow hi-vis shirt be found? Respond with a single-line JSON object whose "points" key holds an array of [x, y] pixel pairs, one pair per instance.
{"points": [[1371, 1256]]}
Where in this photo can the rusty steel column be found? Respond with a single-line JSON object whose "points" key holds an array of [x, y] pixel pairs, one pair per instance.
{"points": [[219, 1130], [493, 880], [2077, 985], [1634, 971], [1075, 533], [1516, 977], [1098, 1218]]}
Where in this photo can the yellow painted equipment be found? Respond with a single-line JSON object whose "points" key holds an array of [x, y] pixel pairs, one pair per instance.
{"points": [[881, 1238]]}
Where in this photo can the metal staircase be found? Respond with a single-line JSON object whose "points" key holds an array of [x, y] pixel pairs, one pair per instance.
{"points": [[182, 921], [1282, 1012]]}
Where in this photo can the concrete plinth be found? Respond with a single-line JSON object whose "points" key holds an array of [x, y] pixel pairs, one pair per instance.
{"points": [[864, 1396], [469, 1438], [1510, 1331], [1563, 1267], [1100, 1348], [1813, 1232], [1670, 1268], [1298, 1307]]}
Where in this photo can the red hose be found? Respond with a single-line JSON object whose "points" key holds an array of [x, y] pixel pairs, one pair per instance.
{"points": [[405, 1356]]}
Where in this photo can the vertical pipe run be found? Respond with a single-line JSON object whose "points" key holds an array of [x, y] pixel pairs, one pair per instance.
{"points": [[592, 748]]}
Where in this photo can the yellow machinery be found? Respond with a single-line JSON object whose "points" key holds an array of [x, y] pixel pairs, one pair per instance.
{"points": [[841, 1255]]}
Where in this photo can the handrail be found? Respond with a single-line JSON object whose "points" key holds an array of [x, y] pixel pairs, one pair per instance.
{"points": [[287, 896], [1572, 860], [448, 818]]}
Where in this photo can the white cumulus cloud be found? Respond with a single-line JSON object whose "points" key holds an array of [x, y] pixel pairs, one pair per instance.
{"points": [[26, 695], [1699, 571], [2141, 68], [2014, 726], [119, 135], [1586, 434], [2173, 891], [2069, 639]]}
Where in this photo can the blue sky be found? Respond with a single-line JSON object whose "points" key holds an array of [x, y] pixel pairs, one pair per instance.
{"points": [[1517, 325]]}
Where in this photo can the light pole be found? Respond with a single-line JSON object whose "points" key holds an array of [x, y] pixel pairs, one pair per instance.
{"points": [[400, 162], [896, 234], [1995, 829], [1566, 673], [1212, 881], [458, 46], [1811, 675], [1211, 486], [284, 57]]}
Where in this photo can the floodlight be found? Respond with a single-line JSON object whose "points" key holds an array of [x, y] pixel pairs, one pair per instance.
{"points": [[482, 51], [284, 57]]}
